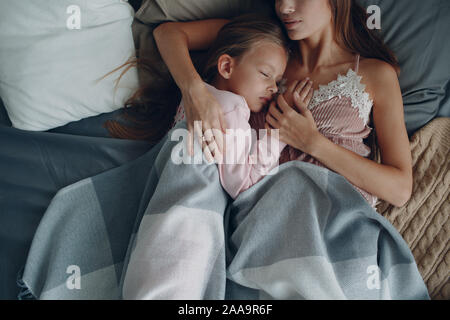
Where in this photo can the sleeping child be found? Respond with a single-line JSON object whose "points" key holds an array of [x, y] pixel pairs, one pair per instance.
{"points": [[245, 66]]}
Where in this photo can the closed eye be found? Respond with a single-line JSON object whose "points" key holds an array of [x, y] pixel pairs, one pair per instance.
{"points": [[264, 74]]}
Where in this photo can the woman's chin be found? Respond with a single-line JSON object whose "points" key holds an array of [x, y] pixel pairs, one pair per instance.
{"points": [[295, 35]]}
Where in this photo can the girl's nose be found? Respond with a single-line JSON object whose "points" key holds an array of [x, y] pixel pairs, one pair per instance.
{"points": [[273, 88], [287, 6]]}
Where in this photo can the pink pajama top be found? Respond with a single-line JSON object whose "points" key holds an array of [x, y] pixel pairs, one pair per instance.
{"points": [[341, 110], [247, 159]]}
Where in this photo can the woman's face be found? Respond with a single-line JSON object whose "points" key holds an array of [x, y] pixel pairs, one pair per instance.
{"points": [[256, 75], [303, 18]]}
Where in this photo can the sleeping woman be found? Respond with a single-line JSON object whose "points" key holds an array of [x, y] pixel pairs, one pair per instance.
{"points": [[355, 79]]}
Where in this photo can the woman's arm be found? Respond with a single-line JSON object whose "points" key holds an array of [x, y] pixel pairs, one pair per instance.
{"points": [[174, 40], [391, 180]]}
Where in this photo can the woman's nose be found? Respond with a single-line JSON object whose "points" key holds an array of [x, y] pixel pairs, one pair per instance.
{"points": [[287, 6]]}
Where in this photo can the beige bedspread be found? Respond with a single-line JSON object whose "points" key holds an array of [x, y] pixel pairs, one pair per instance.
{"points": [[424, 220]]}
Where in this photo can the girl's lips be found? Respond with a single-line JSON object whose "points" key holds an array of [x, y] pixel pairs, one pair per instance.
{"points": [[265, 100]]}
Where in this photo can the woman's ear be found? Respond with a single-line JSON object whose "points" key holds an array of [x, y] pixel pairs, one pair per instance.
{"points": [[225, 66]]}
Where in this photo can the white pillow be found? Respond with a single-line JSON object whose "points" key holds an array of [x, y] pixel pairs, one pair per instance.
{"points": [[52, 52]]}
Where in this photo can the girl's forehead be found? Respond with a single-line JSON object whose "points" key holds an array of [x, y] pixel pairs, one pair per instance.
{"points": [[274, 61], [265, 50]]}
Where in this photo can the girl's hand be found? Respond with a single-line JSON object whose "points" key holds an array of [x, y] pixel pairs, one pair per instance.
{"points": [[201, 105], [297, 129]]}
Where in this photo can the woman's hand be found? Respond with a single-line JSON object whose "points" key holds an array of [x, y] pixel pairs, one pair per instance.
{"points": [[201, 105], [297, 129], [174, 41]]}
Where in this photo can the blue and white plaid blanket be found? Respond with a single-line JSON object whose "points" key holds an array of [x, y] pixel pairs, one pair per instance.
{"points": [[153, 229]]}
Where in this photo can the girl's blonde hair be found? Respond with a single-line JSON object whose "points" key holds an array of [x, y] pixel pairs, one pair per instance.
{"points": [[239, 36]]}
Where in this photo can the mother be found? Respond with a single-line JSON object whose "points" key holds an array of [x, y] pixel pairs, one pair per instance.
{"points": [[330, 39]]}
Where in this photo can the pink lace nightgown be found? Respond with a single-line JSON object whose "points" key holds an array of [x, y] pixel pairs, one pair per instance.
{"points": [[341, 111]]}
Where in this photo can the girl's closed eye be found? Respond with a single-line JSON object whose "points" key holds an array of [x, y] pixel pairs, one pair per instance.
{"points": [[265, 74]]}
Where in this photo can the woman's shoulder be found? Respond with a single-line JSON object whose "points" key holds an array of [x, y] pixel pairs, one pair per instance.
{"points": [[376, 75], [375, 65]]}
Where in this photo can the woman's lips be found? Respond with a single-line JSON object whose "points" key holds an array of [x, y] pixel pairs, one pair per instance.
{"points": [[291, 24]]}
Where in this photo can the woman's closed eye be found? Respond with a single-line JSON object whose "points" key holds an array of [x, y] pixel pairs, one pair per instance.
{"points": [[265, 74]]}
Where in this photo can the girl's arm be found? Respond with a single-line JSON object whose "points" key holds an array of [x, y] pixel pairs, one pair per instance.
{"points": [[174, 40], [392, 179], [247, 159]]}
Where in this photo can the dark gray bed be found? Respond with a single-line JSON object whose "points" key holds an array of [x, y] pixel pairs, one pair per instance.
{"points": [[34, 166]]}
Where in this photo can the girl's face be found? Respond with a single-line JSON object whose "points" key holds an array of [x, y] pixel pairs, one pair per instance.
{"points": [[303, 18], [257, 73]]}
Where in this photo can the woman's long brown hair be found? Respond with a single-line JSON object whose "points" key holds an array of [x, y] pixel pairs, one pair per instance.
{"points": [[350, 21], [149, 112], [352, 33]]}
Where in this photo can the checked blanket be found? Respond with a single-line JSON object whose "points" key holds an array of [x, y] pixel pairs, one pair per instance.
{"points": [[154, 229]]}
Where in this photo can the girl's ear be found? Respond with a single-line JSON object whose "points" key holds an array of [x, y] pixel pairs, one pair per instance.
{"points": [[225, 66]]}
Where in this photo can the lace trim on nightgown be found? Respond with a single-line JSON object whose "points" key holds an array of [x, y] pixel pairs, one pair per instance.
{"points": [[350, 86]]}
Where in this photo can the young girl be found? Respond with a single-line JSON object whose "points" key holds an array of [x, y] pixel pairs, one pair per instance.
{"points": [[245, 66]]}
